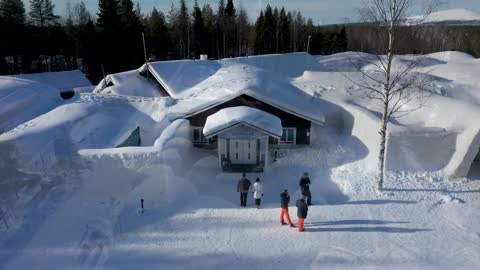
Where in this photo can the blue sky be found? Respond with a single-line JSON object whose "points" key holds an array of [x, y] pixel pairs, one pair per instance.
{"points": [[321, 11]]}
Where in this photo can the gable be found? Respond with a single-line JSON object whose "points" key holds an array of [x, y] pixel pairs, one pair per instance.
{"points": [[288, 119]]}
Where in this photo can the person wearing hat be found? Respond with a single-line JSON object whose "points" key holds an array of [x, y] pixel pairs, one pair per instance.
{"points": [[257, 191], [284, 201], [302, 210], [305, 186]]}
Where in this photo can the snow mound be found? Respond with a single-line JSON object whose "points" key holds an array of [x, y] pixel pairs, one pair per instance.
{"points": [[230, 117]]}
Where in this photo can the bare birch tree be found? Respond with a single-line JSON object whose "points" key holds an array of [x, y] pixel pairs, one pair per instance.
{"points": [[393, 87]]}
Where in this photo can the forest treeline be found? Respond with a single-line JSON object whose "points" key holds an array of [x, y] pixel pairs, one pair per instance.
{"points": [[38, 40]]}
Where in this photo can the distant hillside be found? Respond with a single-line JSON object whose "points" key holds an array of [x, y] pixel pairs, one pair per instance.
{"points": [[457, 16]]}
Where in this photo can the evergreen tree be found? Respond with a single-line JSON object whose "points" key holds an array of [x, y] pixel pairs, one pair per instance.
{"points": [[209, 28], [158, 35], [269, 28], [12, 25], [12, 12], [198, 30], [259, 34], [284, 31], [131, 34], [230, 9], [242, 32], [184, 27], [108, 18], [220, 25], [41, 13], [110, 31], [230, 29], [276, 17]]}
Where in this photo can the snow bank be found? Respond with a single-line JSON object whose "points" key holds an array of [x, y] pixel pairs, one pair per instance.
{"points": [[229, 117]]}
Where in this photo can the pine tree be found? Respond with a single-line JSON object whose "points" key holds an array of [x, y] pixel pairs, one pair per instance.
{"points": [[110, 31], [284, 31], [108, 18], [269, 29], [198, 30], [12, 12], [259, 46], [132, 28], [242, 32], [209, 28], [158, 35], [230, 9], [220, 25], [41, 13], [184, 27], [276, 17]]}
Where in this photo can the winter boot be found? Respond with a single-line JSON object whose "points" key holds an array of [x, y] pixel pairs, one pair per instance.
{"points": [[283, 223], [293, 225]]}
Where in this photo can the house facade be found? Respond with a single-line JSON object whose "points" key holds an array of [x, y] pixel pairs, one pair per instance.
{"points": [[246, 146]]}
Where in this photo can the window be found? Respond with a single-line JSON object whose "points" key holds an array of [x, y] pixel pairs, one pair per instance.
{"points": [[289, 136], [198, 136]]}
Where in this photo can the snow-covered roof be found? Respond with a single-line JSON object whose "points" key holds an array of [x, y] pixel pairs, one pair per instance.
{"points": [[232, 117], [63, 80], [22, 100], [128, 83]]}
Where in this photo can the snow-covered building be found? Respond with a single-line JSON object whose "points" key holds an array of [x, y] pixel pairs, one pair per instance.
{"points": [[244, 108], [64, 81], [311, 95]]}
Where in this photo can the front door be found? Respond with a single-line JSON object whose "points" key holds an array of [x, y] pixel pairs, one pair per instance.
{"points": [[243, 151]]}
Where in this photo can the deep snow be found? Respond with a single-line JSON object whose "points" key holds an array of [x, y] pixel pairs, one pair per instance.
{"points": [[71, 201]]}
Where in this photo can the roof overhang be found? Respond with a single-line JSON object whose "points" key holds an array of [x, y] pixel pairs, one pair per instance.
{"points": [[273, 104]]}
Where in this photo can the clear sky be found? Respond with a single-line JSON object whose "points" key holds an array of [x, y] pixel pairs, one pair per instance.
{"points": [[321, 11]]}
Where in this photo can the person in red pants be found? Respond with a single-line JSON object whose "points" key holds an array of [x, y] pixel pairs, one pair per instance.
{"points": [[284, 201], [302, 210]]}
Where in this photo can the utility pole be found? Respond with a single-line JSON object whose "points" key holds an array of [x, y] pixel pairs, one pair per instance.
{"points": [[308, 43], [145, 53]]}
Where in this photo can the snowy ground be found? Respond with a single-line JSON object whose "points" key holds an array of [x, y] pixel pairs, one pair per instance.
{"points": [[193, 220], [70, 201]]}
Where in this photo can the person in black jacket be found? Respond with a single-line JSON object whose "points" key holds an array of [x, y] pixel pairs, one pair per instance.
{"points": [[284, 201], [243, 187], [302, 211], [305, 186]]}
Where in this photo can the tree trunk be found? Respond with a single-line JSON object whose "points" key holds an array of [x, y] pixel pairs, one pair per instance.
{"points": [[386, 102], [381, 155]]}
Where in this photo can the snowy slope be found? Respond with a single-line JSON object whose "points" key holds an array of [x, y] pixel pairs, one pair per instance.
{"points": [[459, 16], [22, 100]]}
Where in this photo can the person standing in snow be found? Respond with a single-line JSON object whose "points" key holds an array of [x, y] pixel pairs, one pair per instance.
{"points": [[257, 192], [305, 186], [284, 201], [243, 187], [302, 210]]}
